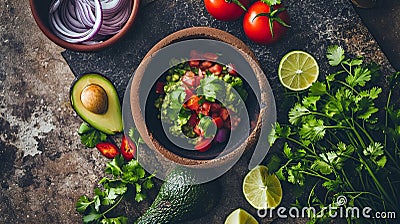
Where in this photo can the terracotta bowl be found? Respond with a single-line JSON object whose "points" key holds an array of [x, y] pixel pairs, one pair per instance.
{"points": [[151, 129], [40, 12]]}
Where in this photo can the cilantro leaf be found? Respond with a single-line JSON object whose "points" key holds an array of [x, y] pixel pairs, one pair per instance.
{"points": [[332, 185], [353, 62], [322, 167], [91, 217], [295, 175], [317, 89], [271, 2], [117, 220], [90, 136], [139, 197], [365, 108], [277, 132], [359, 78], [374, 149], [310, 102], [114, 167], [313, 129], [297, 112], [376, 152], [280, 174], [212, 88], [208, 126], [372, 93], [287, 151], [82, 204], [335, 55]]}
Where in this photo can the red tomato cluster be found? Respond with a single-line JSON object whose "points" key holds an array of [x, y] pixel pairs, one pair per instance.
{"points": [[219, 114], [198, 105], [262, 23]]}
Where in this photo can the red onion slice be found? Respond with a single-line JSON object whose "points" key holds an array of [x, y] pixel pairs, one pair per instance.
{"points": [[88, 21], [59, 28]]}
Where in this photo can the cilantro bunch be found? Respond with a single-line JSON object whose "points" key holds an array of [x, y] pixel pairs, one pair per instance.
{"points": [[125, 179], [339, 142]]}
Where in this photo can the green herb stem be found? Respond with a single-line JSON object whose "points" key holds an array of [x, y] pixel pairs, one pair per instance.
{"points": [[347, 180], [237, 2], [387, 115], [314, 174], [112, 207], [376, 181], [302, 145], [365, 132]]}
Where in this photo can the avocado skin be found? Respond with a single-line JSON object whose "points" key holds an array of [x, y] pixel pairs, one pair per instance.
{"points": [[109, 122], [177, 202]]}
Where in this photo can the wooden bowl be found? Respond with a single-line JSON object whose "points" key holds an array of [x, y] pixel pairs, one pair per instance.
{"points": [[151, 130], [40, 12]]}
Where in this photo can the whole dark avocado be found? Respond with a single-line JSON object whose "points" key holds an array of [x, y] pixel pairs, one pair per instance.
{"points": [[95, 100], [177, 202]]}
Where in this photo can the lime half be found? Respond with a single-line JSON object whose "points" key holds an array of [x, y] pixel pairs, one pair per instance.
{"points": [[298, 70], [261, 189], [240, 216]]}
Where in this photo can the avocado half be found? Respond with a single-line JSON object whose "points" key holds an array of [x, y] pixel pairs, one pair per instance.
{"points": [[95, 99]]}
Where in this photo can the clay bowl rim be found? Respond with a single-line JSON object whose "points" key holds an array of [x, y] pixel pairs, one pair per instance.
{"points": [[185, 34], [43, 26]]}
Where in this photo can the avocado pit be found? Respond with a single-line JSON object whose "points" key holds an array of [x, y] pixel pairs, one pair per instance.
{"points": [[94, 98]]}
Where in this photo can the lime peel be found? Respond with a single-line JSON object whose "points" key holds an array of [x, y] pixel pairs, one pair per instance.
{"points": [[298, 70], [261, 189]]}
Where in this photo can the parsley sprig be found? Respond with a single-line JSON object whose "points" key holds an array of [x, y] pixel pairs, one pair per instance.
{"points": [[124, 177], [339, 140]]}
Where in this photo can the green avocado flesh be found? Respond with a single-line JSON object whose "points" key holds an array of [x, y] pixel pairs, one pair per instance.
{"points": [[108, 118]]}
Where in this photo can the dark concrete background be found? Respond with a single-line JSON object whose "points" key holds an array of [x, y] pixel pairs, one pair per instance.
{"points": [[383, 22], [43, 166]]}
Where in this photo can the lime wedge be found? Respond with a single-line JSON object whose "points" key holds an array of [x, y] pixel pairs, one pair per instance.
{"points": [[240, 216], [261, 189], [298, 70]]}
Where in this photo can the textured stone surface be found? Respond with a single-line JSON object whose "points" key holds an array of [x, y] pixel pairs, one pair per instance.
{"points": [[44, 168], [315, 25]]}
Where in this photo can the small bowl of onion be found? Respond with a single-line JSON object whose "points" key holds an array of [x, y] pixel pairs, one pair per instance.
{"points": [[84, 25]]}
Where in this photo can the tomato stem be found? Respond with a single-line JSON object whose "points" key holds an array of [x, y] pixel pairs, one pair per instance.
{"points": [[273, 16], [237, 2]]}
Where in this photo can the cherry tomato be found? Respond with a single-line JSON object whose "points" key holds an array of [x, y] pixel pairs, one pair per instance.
{"points": [[224, 114], [128, 148], [225, 10], [218, 122], [205, 108], [108, 149], [206, 64], [257, 28], [193, 103], [215, 107], [216, 69], [232, 69], [193, 120], [203, 144], [198, 131], [160, 88], [194, 63]]}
